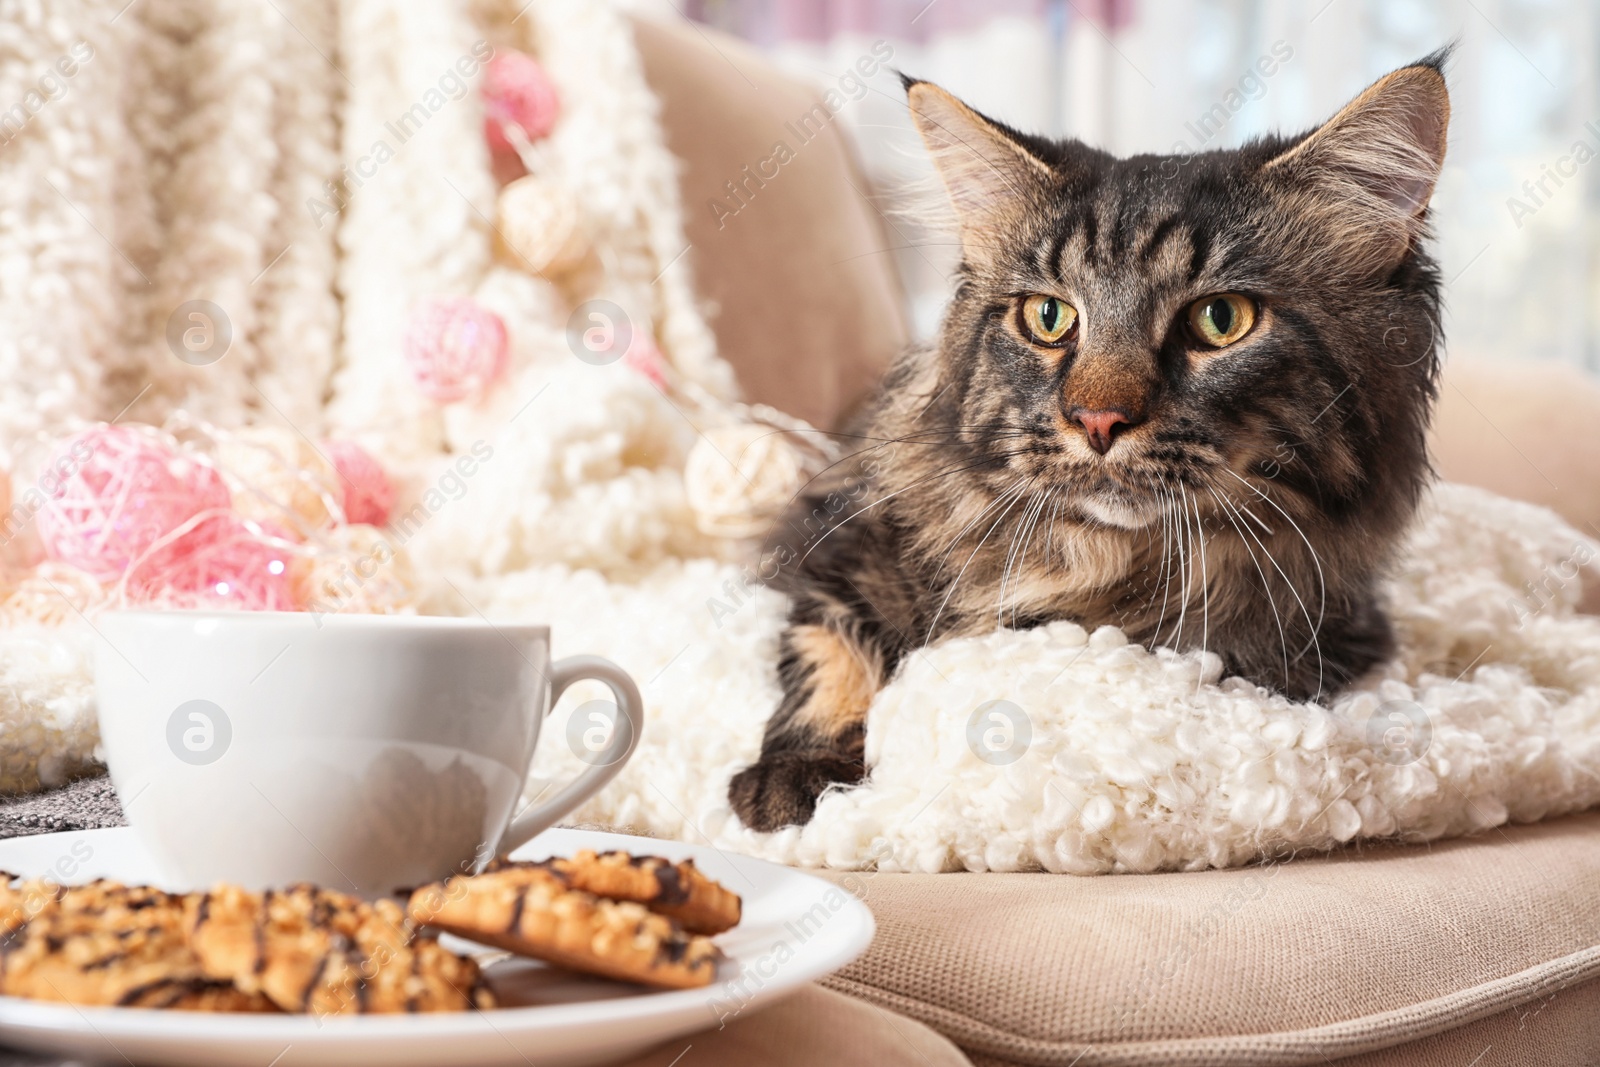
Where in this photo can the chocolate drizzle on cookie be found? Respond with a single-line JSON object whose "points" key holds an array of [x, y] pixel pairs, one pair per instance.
{"points": [[517, 906]]}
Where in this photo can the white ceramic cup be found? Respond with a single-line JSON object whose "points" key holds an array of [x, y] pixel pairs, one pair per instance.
{"points": [[361, 752]]}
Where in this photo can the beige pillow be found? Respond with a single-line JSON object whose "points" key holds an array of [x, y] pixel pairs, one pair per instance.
{"points": [[804, 298], [1525, 430], [1300, 962]]}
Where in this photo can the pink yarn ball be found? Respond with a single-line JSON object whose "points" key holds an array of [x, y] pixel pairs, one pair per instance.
{"points": [[113, 491], [517, 90], [223, 562], [645, 358], [368, 496], [455, 347]]}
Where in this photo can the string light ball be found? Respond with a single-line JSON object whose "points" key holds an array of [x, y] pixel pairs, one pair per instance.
{"points": [[517, 91], [542, 227], [222, 561], [279, 477], [357, 570], [113, 491], [739, 478], [455, 347], [368, 495], [50, 595]]}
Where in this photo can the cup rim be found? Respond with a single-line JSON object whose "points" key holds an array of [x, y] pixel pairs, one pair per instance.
{"points": [[352, 621]]}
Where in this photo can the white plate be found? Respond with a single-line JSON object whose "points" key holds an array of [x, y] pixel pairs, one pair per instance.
{"points": [[796, 929]]}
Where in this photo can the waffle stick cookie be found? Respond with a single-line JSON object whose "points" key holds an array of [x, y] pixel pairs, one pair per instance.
{"points": [[680, 891], [531, 910]]}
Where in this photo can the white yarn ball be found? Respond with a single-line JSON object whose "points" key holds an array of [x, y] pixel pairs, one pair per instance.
{"points": [[543, 226], [740, 477], [278, 476], [51, 594], [358, 570]]}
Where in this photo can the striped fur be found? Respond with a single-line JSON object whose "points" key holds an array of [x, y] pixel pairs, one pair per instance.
{"points": [[1251, 499]]}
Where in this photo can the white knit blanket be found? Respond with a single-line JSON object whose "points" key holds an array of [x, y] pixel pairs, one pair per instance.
{"points": [[1134, 761], [1050, 748]]}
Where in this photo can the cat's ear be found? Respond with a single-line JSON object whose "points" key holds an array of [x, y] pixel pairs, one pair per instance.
{"points": [[1378, 159], [985, 171]]}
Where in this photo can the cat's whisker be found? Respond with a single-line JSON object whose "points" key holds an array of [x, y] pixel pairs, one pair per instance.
{"points": [[1017, 553], [1164, 497], [1257, 519], [1205, 578], [1322, 610], [1050, 498], [1011, 555], [1050, 535], [1185, 565], [889, 496], [1027, 540], [884, 442], [1168, 563], [955, 542], [1016, 493], [1230, 513], [1314, 626]]}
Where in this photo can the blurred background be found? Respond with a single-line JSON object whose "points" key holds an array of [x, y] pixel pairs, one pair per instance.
{"points": [[1514, 211]]}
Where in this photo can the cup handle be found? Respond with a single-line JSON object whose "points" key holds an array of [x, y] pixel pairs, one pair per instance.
{"points": [[608, 761]]}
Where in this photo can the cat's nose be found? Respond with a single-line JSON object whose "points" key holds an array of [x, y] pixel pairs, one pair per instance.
{"points": [[1101, 426]]}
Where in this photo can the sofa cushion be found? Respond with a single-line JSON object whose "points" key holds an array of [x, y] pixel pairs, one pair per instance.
{"points": [[805, 300], [1285, 963], [1527, 430]]}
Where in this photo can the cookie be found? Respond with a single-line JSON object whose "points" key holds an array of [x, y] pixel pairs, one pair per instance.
{"points": [[679, 891], [531, 910], [319, 951], [106, 944]]}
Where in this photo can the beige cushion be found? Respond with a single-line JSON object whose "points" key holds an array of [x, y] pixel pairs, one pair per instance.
{"points": [[814, 1026], [1529, 431], [1301, 962], [1560, 1028], [1557, 1030], [805, 301], [1524, 430]]}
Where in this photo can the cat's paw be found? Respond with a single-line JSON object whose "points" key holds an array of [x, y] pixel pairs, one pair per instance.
{"points": [[782, 789]]}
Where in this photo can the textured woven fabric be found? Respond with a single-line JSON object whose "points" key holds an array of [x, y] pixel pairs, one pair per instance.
{"points": [[1559, 1030], [87, 804], [1300, 962]]}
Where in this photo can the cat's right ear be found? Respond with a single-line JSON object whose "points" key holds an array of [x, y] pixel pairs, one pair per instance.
{"points": [[988, 175], [1372, 167]]}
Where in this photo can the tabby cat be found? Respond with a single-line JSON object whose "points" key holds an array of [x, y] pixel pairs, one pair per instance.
{"points": [[1183, 395]]}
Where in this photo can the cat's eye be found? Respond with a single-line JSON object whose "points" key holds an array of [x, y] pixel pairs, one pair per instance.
{"points": [[1048, 320], [1222, 319]]}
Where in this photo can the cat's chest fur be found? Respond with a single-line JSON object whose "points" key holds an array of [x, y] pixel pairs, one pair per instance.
{"points": [[1035, 563]]}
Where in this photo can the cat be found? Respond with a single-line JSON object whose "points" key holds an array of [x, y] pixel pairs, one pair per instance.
{"points": [[1187, 396]]}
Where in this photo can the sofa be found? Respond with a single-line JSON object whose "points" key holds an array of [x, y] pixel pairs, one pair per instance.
{"points": [[1478, 952]]}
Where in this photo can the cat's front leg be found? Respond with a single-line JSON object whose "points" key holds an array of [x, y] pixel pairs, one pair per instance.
{"points": [[816, 737]]}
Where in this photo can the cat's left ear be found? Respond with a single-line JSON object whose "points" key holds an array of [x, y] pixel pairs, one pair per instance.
{"points": [[1378, 159], [987, 174]]}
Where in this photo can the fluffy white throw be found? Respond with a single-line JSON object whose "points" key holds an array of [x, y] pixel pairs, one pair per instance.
{"points": [[1107, 757], [1050, 748]]}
